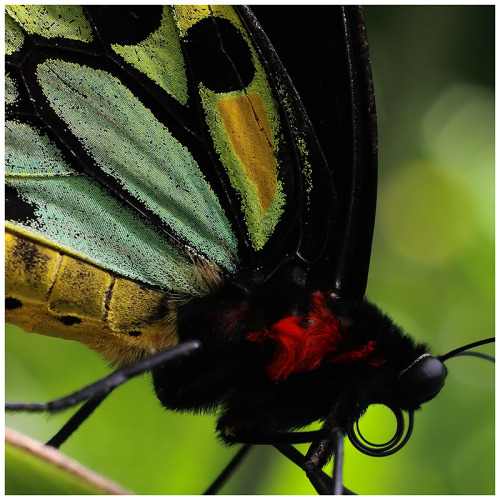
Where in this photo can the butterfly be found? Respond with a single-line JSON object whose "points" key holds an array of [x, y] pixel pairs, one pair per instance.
{"points": [[283, 260]]}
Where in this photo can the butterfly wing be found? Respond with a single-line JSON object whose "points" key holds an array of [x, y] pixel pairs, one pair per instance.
{"points": [[165, 147], [329, 67]]}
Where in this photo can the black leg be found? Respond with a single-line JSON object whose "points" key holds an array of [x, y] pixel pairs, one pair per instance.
{"points": [[321, 482], [324, 443], [75, 421], [276, 438], [228, 470], [103, 387], [338, 461]]}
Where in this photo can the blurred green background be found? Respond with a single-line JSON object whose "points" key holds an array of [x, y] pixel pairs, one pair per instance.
{"points": [[432, 271]]}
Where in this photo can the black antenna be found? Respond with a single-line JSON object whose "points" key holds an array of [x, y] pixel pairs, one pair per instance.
{"points": [[463, 351]]}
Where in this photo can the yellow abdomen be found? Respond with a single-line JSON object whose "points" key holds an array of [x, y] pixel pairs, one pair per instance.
{"points": [[52, 293]]}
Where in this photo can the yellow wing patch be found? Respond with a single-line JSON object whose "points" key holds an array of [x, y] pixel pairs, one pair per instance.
{"points": [[249, 132]]}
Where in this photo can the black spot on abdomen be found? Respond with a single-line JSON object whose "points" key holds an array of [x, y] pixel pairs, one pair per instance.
{"points": [[12, 303], [69, 320]]}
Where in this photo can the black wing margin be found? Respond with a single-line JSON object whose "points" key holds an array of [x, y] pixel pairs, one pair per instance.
{"points": [[322, 61]]}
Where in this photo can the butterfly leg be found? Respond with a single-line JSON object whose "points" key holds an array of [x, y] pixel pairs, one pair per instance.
{"points": [[104, 386], [320, 481], [95, 393], [319, 454], [324, 443], [221, 479], [338, 461], [232, 435], [310, 464], [75, 421]]}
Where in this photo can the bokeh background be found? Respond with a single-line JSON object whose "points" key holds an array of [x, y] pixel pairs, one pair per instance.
{"points": [[432, 271]]}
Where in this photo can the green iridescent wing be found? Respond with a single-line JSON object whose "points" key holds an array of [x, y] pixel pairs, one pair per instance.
{"points": [[143, 139], [121, 139]]}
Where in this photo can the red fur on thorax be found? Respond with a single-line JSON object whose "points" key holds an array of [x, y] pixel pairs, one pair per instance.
{"points": [[301, 343]]}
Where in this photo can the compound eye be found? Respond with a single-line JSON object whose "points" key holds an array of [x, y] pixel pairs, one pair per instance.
{"points": [[421, 381]]}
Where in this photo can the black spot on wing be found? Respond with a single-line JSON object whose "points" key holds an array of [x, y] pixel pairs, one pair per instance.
{"points": [[125, 25], [219, 56]]}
